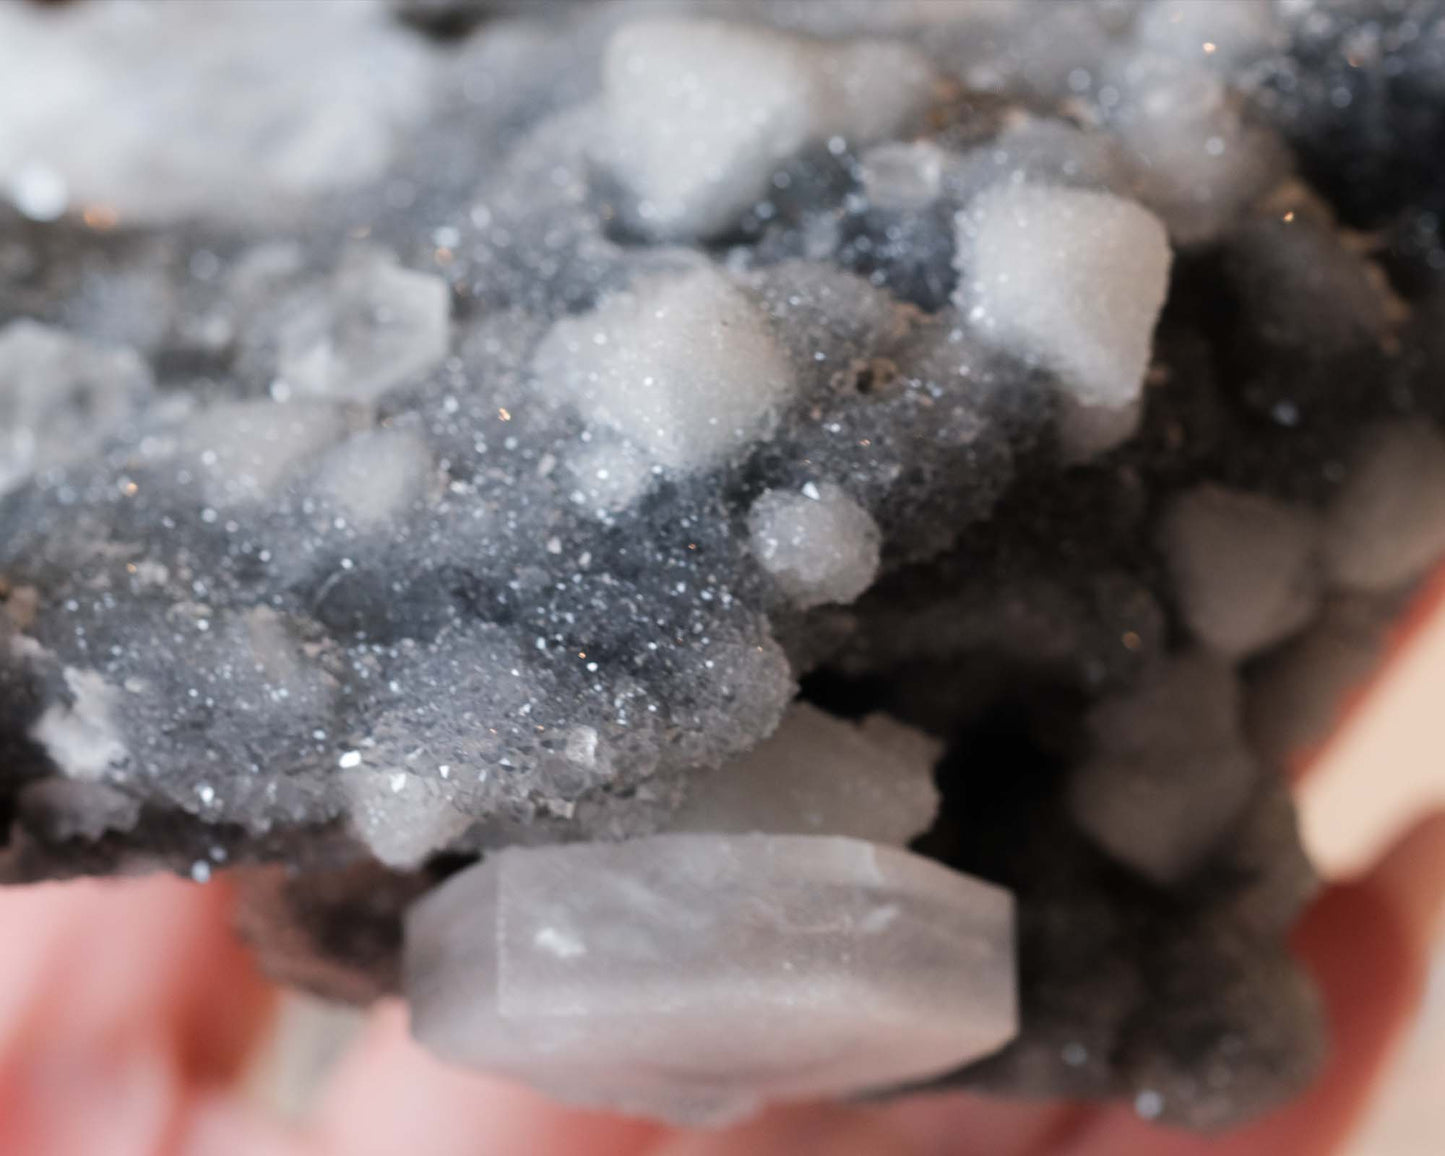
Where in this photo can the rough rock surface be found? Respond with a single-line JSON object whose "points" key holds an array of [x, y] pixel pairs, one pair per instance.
{"points": [[397, 471]]}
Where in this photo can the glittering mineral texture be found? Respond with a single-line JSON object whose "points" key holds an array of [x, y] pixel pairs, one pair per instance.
{"points": [[446, 439]]}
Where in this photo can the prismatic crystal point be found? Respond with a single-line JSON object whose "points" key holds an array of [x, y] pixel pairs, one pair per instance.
{"points": [[694, 977]]}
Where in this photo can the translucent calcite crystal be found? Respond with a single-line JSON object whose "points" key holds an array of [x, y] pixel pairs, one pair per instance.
{"points": [[695, 977], [821, 775]]}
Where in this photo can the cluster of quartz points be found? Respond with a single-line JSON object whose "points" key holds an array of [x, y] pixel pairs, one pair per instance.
{"points": [[601, 495]]}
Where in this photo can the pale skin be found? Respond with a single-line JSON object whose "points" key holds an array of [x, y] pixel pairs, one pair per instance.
{"points": [[128, 1011]]}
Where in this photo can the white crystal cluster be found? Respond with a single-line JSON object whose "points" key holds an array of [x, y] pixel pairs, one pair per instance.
{"points": [[819, 775], [681, 367], [252, 109], [374, 326], [696, 977], [700, 114], [61, 396], [1075, 279], [82, 738], [243, 452]]}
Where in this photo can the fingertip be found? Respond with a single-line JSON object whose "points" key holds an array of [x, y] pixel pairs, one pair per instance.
{"points": [[62, 1102], [390, 1095], [970, 1124], [97, 967], [827, 1130], [221, 1019]]}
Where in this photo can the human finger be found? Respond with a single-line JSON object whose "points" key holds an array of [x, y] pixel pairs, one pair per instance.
{"points": [[389, 1095]]}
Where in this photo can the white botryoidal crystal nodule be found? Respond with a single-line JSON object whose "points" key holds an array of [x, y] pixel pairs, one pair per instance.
{"points": [[683, 366], [818, 544], [226, 110], [375, 475]]}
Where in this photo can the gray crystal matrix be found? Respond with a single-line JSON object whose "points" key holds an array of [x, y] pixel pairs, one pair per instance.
{"points": [[443, 435]]}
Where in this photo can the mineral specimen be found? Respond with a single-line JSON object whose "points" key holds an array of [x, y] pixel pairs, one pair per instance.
{"points": [[505, 471]]}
